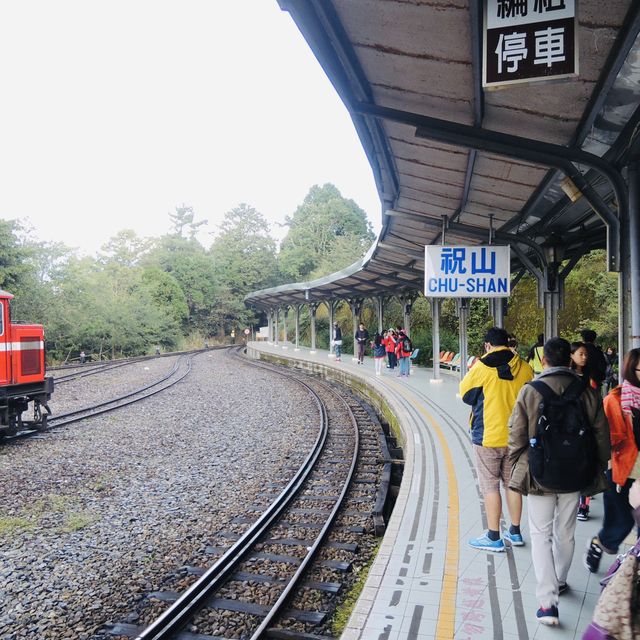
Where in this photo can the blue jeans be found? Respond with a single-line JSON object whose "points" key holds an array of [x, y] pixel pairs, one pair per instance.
{"points": [[338, 350], [618, 516], [404, 366]]}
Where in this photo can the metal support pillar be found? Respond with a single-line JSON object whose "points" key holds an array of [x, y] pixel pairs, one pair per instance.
{"points": [[463, 316], [551, 294], [407, 301], [406, 317], [277, 326], [313, 307], [332, 305], [496, 311], [633, 223], [435, 318], [297, 319], [285, 316], [356, 309], [269, 327], [380, 300], [552, 305], [624, 306]]}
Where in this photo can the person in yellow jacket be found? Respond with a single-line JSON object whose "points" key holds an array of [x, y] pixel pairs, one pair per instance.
{"points": [[491, 388], [535, 355]]}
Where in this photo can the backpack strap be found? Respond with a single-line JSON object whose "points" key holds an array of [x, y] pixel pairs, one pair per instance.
{"points": [[573, 391], [543, 389]]}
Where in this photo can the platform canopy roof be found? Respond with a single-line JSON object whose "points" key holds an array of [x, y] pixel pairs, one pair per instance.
{"points": [[442, 148]]}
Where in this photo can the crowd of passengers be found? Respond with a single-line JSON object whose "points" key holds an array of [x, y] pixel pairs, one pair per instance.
{"points": [[517, 406], [393, 346], [541, 429]]}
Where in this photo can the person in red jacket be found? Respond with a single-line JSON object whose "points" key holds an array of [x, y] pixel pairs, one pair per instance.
{"points": [[404, 348], [622, 408], [390, 340]]}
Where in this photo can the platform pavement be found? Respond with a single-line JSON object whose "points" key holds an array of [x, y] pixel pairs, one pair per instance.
{"points": [[426, 582]]}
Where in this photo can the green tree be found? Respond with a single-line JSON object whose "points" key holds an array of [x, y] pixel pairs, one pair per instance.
{"points": [[244, 252], [326, 233], [184, 220], [166, 293], [187, 262], [591, 300], [524, 318], [12, 256], [124, 249]]}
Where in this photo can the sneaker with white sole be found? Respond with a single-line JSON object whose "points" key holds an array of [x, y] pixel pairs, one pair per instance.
{"points": [[548, 616], [514, 538], [485, 543]]}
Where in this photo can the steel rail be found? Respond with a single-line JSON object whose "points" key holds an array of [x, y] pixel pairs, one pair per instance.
{"points": [[293, 583], [73, 416], [193, 599], [133, 359], [91, 372], [123, 397]]}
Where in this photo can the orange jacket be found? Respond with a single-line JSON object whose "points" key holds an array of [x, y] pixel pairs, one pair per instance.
{"points": [[623, 445]]}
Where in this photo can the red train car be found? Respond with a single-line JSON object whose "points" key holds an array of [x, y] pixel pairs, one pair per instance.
{"points": [[22, 373]]}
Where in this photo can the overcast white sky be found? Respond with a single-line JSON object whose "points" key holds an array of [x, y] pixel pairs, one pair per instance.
{"points": [[114, 112]]}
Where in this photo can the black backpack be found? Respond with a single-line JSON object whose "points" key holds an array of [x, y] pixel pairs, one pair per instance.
{"points": [[563, 455], [406, 344]]}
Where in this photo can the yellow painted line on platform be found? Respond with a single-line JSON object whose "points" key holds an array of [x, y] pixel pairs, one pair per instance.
{"points": [[447, 610]]}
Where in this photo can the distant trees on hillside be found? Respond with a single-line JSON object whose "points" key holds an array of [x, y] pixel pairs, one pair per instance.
{"points": [[172, 291]]}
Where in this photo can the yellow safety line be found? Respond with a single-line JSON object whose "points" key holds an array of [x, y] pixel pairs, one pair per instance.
{"points": [[447, 609]]}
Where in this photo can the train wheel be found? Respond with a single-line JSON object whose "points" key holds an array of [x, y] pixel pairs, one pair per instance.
{"points": [[39, 419]]}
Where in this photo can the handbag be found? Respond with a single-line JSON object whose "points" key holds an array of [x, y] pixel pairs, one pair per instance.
{"points": [[617, 612]]}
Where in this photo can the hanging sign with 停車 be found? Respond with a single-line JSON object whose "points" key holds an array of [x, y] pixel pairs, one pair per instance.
{"points": [[467, 272], [529, 40]]}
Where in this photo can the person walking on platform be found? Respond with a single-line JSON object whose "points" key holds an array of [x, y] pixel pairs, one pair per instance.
{"points": [[579, 365], [622, 408], [362, 337], [491, 388], [558, 449], [596, 369], [336, 341], [611, 378], [535, 355]]}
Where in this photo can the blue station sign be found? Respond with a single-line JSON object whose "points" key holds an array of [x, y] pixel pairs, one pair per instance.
{"points": [[467, 272]]}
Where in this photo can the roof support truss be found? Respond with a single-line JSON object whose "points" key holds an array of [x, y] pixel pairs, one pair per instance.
{"points": [[525, 149]]}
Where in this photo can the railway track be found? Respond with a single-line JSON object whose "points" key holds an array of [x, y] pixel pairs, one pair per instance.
{"points": [[180, 370], [93, 368], [279, 578]]}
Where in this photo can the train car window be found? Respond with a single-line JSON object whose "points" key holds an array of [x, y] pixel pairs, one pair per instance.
{"points": [[1, 318]]}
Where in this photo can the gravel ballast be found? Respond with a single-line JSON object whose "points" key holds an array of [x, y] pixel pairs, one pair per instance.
{"points": [[95, 516]]}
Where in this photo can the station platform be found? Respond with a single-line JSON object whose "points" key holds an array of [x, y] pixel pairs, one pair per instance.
{"points": [[426, 582]]}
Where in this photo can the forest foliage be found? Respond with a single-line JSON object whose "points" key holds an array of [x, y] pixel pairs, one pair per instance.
{"points": [[172, 292]]}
